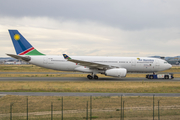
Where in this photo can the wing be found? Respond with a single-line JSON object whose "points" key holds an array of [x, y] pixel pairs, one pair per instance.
{"points": [[88, 63]]}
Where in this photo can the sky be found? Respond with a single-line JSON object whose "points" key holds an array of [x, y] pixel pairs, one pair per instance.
{"points": [[126, 28]]}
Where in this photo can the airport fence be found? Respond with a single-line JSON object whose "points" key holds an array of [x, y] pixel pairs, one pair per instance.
{"points": [[92, 107]]}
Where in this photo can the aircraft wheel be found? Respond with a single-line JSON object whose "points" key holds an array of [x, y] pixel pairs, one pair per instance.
{"points": [[89, 77], [95, 77]]}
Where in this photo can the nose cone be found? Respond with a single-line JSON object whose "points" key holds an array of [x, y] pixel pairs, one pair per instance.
{"points": [[169, 66]]}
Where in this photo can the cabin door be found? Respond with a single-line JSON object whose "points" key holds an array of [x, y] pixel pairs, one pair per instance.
{"points": [[45, 60]]}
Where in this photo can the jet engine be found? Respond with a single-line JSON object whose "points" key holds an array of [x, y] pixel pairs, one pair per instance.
{"points": [[116, 72]]}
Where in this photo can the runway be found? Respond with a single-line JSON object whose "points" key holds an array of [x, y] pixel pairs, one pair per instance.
{"points": [[77, 79], [88, 94]]}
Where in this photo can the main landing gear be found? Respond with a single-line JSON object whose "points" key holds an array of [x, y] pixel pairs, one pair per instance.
{"points": [[91, 77]]}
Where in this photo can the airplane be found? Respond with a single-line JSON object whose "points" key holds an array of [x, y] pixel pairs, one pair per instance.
{"points": [[93, 65]]}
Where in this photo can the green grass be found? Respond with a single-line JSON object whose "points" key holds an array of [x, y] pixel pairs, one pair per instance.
{"points": [[102, 107], [90, 86], [24, 68]]}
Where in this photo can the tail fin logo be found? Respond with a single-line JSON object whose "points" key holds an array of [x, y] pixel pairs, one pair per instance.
{"points": [[16, 36], [21, 45], [66, 56]]}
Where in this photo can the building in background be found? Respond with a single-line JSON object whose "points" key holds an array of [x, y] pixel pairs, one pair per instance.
{"points": [[171, 60], [11, 61]]}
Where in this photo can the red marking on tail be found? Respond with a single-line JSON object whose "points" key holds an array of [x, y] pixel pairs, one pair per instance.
{"points": [[28, 50]]}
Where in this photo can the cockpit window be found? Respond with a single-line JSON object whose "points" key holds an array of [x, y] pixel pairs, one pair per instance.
{"points": [[165, 62]]}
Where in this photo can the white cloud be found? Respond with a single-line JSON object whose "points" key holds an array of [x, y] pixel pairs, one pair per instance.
{"points": [[57, 36]]}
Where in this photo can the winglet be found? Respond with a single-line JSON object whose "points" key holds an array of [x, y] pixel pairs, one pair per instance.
{"points": [[66, 57]]}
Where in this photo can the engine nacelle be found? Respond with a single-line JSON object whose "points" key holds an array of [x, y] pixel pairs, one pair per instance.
{"points": [[116, 72]]}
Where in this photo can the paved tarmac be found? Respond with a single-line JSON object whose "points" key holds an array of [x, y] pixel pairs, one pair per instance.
{"points": [[73, 79], [88, 94]]}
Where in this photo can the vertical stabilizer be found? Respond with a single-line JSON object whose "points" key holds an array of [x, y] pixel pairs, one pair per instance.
{"points": [[21, 45]]}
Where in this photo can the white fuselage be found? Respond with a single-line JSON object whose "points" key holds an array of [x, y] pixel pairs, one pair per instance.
{"points": [[131, 64]]}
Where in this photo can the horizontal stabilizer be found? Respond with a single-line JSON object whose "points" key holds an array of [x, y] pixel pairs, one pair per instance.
{"points": [[24, 58]]}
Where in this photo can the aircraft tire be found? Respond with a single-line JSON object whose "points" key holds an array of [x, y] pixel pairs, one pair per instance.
{"points": [[89, 77], [95, 77]]}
